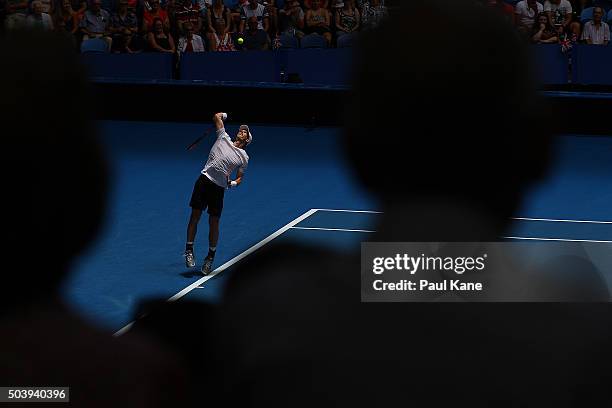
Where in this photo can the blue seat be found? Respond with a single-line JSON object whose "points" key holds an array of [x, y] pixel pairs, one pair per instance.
{"points": [[586, 15], [94, 45], [345, 41], [288, 41], [230, 4], [313, 40], [610, 16]]}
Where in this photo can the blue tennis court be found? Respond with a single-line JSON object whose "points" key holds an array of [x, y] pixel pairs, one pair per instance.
{"points": [[297, 187]]}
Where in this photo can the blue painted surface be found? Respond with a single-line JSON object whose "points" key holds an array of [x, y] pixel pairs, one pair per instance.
{"points": [[292, 170]]}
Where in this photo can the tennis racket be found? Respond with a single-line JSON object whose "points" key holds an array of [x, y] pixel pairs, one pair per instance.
{"points": [[195, 143]]}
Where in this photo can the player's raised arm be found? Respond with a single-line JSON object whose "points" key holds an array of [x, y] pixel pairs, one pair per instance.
{"points": [[218, 120]]}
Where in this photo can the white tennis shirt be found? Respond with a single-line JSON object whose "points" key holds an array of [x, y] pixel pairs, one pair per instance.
{"points": [[223, 159]]}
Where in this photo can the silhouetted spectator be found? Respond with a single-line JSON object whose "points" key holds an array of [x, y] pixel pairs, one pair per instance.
{"points": [[256, 39], [43, 342], [124, 28], [96, 23], [254, 9], [318, 20], [39, 19], [526, 12], [347, 18], [543, 32], [596, 31], [291, 19], [190, 42], [159, 39]]}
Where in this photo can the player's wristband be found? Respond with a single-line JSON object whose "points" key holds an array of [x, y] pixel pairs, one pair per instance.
{"points": [[233, 184]]}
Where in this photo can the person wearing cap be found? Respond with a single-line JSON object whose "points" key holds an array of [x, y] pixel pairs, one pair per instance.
{"points": [[226, 155]]}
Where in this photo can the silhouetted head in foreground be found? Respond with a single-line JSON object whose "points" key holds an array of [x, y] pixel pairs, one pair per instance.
{"points": [[55, 171], [447, 111]]}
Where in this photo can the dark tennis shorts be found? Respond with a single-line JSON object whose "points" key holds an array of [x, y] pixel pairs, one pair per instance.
{"points": [[207, 194]]}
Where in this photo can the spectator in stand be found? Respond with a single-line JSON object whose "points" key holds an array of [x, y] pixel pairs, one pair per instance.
{"points": [[221, 39], [236, 12], [190, 42], [96, 23], [254, 9], [219, 12], [124, 27], [39, 19], [221, 42], [48, 6], [291, 19], [171, 8], [596, 31], [16, 13], [67, 18], [256, 39], [525, 14], [79, 6], [150, 16], [560, 16], [159, 39], [318, 21], [186, 11], [543, 32], [372, 12], [347, 18], [272, 11]]}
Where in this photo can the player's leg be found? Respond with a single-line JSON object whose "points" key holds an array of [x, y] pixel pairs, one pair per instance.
{"points": [[215, 207], [197, 204], [192, 229]]}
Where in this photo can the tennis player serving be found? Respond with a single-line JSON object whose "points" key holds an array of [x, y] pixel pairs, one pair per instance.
{"points": [[225, 156]]}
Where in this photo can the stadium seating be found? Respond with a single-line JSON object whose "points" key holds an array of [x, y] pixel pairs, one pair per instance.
{"points": [[288, 42], [610, 16], [587, 15], [94, 45], [345, 41], [314, 41]]}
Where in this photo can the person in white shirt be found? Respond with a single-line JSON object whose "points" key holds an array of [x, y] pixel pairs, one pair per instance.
{"points": [[38, 18], [225, 156], [596, 32], [560, 15], [526, 12], [190, 42]]}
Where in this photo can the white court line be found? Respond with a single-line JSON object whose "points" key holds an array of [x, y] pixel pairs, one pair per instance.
{"points": [[330, 229], [351, 211], [553, 220], [229, 263], [559, 239], [513, 218]]}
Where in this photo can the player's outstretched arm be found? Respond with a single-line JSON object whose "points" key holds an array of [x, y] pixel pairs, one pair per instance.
{"points": [[218, 120]]}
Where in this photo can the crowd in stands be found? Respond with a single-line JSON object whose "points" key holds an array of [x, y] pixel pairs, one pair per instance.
{"points": [[556, 21], [128, 26]]}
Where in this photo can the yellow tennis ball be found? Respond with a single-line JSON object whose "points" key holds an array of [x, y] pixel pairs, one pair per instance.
{"points": [[240, 40]]}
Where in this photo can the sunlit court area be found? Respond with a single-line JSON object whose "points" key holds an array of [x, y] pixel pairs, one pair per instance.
{"points": [[308, 202]]}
